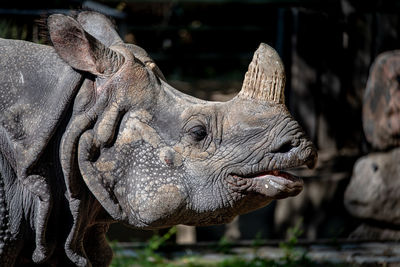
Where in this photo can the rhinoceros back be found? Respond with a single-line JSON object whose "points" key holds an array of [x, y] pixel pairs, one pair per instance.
{"points": [[36, 87]]}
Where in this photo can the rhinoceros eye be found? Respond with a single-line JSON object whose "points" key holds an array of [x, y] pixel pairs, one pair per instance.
{"points": [[198, 132]]}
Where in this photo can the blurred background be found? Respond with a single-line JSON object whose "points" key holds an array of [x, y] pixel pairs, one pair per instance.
{"points": [[204, 48]]}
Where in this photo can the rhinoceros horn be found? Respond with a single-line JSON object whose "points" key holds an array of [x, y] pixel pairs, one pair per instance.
{"points": [[265, 78]]}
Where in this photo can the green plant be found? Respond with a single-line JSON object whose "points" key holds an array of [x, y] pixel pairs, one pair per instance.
{"points": [[257, 242], [156, 241], [224, 246], [121, 260], [146, 257], [292, 256], [10, 29]]}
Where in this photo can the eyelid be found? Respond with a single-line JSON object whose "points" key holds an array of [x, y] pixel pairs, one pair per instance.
{"points": [[200, 126], [190, 124]]}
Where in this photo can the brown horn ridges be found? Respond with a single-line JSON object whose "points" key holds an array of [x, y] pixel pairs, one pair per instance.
{"points": [[265, 78]]}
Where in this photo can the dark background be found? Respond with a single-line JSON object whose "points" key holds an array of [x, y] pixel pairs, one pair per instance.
{"points": [[204, 48]]}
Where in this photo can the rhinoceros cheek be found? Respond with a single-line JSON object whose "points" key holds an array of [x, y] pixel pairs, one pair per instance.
{"points": [[162, 208]]}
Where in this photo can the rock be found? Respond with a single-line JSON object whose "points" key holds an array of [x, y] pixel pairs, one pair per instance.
{"points": [[369, 232], [374, 189], [381, 107]]}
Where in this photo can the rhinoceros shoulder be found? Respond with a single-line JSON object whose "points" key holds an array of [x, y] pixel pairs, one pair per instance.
{"points": [[36, 87]]}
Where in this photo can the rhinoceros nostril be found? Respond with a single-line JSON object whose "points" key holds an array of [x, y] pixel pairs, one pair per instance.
{"points": [[285, 147], [312, 158]]}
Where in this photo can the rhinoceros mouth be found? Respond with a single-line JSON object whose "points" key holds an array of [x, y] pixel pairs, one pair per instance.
{"points": [[275, 184]]}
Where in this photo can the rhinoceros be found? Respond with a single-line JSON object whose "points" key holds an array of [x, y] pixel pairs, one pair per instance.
{"points": [[91, 134]]}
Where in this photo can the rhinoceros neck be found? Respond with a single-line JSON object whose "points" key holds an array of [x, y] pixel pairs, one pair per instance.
{"points": [[180, 96], [36, 87]]}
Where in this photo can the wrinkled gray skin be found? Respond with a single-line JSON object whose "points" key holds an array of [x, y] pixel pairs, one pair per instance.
{"points": [[90, 134]]}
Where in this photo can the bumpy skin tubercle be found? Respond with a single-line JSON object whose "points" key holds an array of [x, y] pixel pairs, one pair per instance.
{"points": [[91, 133]]}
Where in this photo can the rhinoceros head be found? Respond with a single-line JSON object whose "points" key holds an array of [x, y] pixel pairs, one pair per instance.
{"points": [[155, 157]]}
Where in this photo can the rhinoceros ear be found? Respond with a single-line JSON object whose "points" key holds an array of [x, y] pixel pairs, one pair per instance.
{"points": [[100, 27], [81, 50]]}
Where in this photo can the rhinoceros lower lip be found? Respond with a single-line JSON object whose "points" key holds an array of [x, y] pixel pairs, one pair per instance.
{"points": [[275, 184]]}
